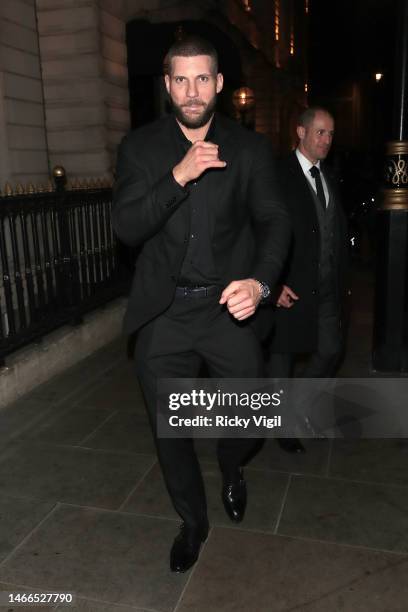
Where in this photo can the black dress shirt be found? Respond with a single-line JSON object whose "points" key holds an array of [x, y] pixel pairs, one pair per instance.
{"points": [[198, 266]]}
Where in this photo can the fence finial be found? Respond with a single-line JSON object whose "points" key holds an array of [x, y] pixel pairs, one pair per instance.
{"points": [[60, 178]]}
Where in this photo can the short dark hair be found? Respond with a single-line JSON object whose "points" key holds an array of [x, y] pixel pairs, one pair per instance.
{"points": [[308, 115], [189, 46]]}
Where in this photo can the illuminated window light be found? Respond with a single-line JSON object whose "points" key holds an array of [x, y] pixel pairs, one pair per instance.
{"points": [[277, 20], [247, 6], [307, 7], [305, 87], [378, 76], [292, 42]]}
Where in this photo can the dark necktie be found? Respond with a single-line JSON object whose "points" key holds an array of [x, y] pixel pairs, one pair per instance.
{"points": [[315, 172]]}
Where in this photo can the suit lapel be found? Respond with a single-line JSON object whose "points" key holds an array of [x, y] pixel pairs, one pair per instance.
{"points": [[302, 187], [218, 179]]}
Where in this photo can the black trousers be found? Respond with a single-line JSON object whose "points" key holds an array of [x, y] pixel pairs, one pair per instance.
{"points": [[191, 332]]}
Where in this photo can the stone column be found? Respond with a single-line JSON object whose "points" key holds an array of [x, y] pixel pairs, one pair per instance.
{"points": [[23, 146], [84, 64]]}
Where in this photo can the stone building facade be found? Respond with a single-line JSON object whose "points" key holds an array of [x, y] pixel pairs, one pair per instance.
{"points": [[64, 96]]}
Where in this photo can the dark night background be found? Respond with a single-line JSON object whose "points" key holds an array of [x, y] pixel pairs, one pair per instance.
{"points": [[349, 41]]}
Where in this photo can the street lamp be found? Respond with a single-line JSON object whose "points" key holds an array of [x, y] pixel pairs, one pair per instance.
{"points": [[243, 100]]}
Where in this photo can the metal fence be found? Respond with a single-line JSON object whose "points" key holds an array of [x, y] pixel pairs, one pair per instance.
{"points": [[59, 260]]}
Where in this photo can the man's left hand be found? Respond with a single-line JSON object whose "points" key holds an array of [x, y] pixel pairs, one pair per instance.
{"points": [[242, 298]]}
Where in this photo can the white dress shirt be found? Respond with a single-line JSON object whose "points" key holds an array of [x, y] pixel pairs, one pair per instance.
{"points": [[306, 165]]}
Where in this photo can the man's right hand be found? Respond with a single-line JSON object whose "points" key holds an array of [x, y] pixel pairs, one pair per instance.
{"points": [[287, 297], [199, 157]]}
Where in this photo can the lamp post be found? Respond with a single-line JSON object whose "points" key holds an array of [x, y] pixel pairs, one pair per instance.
{"points": [[243, 100], [390, 351]]}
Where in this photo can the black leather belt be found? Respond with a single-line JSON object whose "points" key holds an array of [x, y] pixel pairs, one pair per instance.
{"points": [[197, 292]]}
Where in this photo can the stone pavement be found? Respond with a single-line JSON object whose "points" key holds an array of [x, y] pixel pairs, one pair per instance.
{"points": [[83, 507]]}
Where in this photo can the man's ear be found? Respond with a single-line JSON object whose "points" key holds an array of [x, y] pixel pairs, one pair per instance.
{"points": [[167, 82], [300, 131], [220, 82]]}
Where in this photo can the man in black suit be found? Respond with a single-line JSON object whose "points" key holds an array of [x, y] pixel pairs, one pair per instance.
{"points": [[198, 193], [312, 287]]}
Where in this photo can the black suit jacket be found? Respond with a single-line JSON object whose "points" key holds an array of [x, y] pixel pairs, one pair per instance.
{"points": [[295, 329], [249, 224]]}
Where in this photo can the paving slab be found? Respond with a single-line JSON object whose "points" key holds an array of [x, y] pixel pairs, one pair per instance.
{"points": [[124, 431], [241, 571], [382, 461], [108, 556], [69, 427], [17, 519], [314, 461], [22, 416], [76, 379], [73, 475], [119, 390], [266, 491], [375, 516]]}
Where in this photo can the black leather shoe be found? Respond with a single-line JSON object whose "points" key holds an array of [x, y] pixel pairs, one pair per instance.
{"points": [[291, 445], [186, 547], [234, 497]]}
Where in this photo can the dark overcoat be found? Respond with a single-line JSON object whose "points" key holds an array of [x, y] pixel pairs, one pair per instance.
{"points": [[295, 328]]}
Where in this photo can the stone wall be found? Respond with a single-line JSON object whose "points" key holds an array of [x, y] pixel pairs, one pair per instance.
{"points": [[114, 72], [23, 145], [63, 87], [84, 61]]}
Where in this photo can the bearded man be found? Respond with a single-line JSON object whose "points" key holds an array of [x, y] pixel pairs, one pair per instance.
{"points": [[197, 192]]}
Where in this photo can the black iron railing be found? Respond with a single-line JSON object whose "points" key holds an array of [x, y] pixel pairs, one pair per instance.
{"points": [[59, 259]]}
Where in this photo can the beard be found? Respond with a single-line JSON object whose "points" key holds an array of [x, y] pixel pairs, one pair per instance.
{"points": [[197, 121]]}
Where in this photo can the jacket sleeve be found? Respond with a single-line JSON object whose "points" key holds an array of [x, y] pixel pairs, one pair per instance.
{"points": [[270, 216], [141, 207]]}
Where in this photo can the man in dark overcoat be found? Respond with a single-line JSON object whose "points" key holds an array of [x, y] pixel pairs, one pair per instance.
{"points": [[310, 301]]}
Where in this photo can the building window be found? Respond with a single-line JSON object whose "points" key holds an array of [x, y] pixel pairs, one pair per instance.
{"points": [[277, 19], [307, 7], [246, 5], [305, 87], [292, 28]]}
